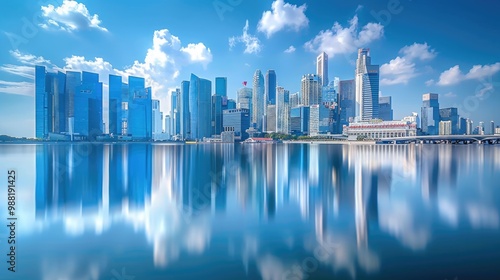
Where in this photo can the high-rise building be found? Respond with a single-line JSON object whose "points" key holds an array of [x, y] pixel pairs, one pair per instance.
{"points": [[271, 118], [492, 127], [283, 110], [157, 119], [430, 114], [367, 87], [237, 120], [347, 99], [445, 128], [294, 100], [183, 106], [258, 100], [200, 92], [311, 90], [385, 112], [245, 99], [322, 68], [450, 114], [88, 120], [270, 87], [221, 86], [140, 125]]}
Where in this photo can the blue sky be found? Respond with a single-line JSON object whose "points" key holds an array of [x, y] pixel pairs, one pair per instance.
{"points": [[448, 48]]}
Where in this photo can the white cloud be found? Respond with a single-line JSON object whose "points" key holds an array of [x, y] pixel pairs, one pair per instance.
{"points": [[418, 51], [252, 43], [198, 53], [290, 49], [70, 16], [402, 69], [454, 75], [283, 15], [340, 40], [21, 88], [398, 71]]}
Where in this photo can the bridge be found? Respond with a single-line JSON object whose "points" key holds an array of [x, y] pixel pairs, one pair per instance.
{"points": [[443, 139]]}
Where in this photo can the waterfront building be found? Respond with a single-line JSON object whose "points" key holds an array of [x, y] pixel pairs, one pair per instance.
{"points": [[385, 108], [377, 129], [445, 127], [322, 68], [367, 87], [430, 114], [199, 104], [258, 100], [237, 121], [311, 90], [450, 114]]}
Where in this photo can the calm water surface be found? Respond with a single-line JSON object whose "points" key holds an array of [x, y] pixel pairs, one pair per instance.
{"points": [[284, 211]]}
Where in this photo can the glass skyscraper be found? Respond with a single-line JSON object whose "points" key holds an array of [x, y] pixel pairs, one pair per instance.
{"points": [[367, 87], [199, 103]]}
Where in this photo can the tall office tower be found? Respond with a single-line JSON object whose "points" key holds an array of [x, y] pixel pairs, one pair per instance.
{"points": [[175, 111], [258, 100], [216, 114], [271, 118], [200, 92], [221, 86], [50, 105], [116, 105], [322, 68], [492, 127], [140, 125], [430, 113], [270, 87], [347, 100], [183, 105], [450, 114], [87, 113], [244, 99], [157, 119], [462, 123], [283, 111], [238, 121], [73, 79], [311, 90], [385, 112], [481, 128], [294, 100], [470, 125], [367, 87]]}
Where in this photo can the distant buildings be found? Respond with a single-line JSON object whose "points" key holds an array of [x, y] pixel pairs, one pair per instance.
{"points": [[367, 87], [430, 114]]}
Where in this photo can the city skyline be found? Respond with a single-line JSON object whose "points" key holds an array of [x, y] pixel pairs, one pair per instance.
{"points": [[464, 74]]}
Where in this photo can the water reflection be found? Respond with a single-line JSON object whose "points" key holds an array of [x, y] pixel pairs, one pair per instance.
{"points": [[265, 210]]}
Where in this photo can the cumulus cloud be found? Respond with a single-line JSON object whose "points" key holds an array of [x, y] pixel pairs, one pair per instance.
{"points": [[290, 49], [252, 43], [454, 75], [345, 40], [283, 16], [70, 16], [402, 69]]}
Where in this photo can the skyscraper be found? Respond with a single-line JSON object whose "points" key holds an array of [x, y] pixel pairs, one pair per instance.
{"points": [[367, 87], [139, 109], [347, 100], [221, 86], [200, 91], [270, 87], [322, 68], [258, 99], [385, 108], [430, 113], [283, 111], [311, 90], [450, 114]]}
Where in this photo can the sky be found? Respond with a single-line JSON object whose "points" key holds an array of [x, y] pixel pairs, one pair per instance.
{"points": [[450, 48]]}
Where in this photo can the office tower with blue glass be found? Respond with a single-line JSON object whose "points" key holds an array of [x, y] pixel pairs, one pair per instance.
{"points": [[367, 87], [200, 92], [385, 108], [430, 114]]}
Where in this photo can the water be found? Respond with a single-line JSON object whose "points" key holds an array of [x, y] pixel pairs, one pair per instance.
{"points": [[283, 211]]}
